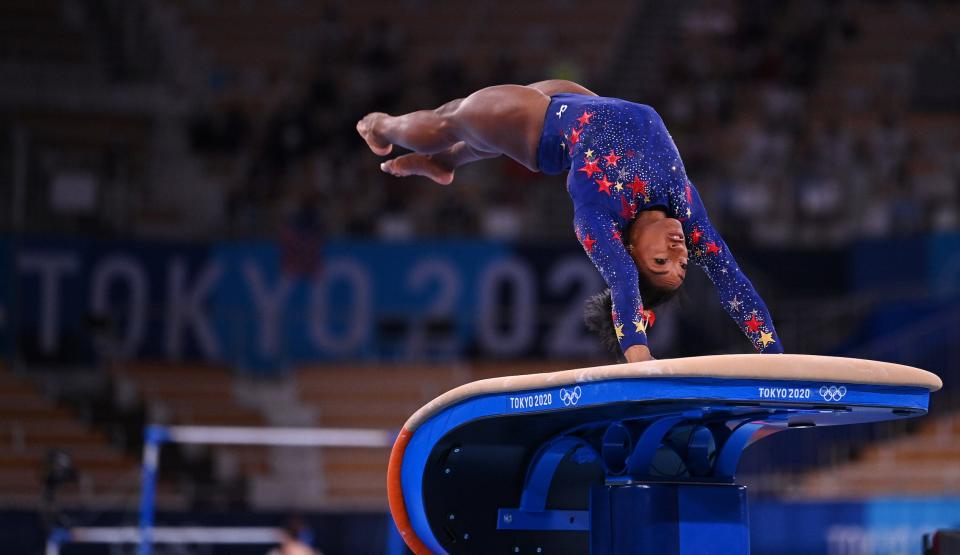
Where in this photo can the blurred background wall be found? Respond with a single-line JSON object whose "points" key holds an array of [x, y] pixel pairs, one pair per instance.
{"points": [[191, 231]]}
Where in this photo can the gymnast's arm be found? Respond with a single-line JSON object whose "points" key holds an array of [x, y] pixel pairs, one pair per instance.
{"points": [[737, 295], [600, 236]]}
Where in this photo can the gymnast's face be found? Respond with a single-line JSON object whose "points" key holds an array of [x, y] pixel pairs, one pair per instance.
{"points": [[658, 249]]}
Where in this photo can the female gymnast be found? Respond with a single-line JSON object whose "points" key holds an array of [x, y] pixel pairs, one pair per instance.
{"points": [[637, 216]]}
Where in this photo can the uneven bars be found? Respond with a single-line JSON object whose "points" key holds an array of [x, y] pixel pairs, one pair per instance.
{"points": [[164, 534], [302, 437], [171, 534], [155, 436]]}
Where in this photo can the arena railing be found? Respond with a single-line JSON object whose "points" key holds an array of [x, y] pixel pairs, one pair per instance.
{"points": [[147, 533]]}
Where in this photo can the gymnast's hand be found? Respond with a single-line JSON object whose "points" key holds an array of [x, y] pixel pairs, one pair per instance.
{"points": [[638, 353]]}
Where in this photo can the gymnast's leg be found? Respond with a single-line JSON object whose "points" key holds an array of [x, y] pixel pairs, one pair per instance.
{"points": [[505, 119], [438, 167], [425, 131]]}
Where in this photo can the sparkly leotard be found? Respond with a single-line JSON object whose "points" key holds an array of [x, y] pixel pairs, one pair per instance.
{"points": [[621, 160]]}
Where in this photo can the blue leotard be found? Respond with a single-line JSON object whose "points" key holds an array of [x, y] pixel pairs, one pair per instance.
{"points": [[620, 161]]}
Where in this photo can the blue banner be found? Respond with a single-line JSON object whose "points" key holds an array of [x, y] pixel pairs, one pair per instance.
{"points": [[931, 263], [246, 304], [268, 305], [943, 256]]}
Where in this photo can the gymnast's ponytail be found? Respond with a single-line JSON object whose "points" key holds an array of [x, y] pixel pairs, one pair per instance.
{"points": [[598, 312], [597, 315]]}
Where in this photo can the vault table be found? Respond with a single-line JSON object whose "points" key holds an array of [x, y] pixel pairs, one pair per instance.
{"points": [[629, 459]]}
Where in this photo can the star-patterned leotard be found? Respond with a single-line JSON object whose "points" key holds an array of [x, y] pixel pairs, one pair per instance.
{"points": [[620, 161]]}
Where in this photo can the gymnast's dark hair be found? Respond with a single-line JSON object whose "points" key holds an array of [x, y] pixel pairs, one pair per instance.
{"points": [[598, 309]]}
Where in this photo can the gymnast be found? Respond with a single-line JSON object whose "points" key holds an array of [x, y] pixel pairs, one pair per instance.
{"points": [[636, 214]]}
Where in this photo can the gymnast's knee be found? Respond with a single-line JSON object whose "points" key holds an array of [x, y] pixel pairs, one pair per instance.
{"points": [[450, 119]]}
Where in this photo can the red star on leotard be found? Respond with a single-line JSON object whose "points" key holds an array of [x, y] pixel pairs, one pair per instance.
{"points": [[588, 243], [612, 159], [638, 186], [627, 209], [615, 235], [713, 248], [585, 118], [603, 185], [695, 235], [574, 136], [590, 167], [753, 324]]}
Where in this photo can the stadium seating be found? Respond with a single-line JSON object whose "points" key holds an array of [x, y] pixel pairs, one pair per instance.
{"points": [[924, 463], [38, 31], [271, 37], [32, 425], [381, 396]]}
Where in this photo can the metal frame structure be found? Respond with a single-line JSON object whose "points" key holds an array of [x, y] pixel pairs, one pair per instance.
{"points": [[172, 535], [156, 436]]}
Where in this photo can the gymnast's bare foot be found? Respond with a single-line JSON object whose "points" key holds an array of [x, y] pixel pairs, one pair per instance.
{"points": [[418, 164], [366, 129]]}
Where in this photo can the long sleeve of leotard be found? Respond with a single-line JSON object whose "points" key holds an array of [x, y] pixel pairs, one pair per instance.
{"points": [[600, 236], [737, 295]]}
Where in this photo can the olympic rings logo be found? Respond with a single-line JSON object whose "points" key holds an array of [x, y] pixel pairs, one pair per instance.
{"points": [[832, 393], [571, 397]]}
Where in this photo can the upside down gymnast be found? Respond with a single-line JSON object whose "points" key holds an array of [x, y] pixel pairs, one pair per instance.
{"points": [[636, 214]]}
